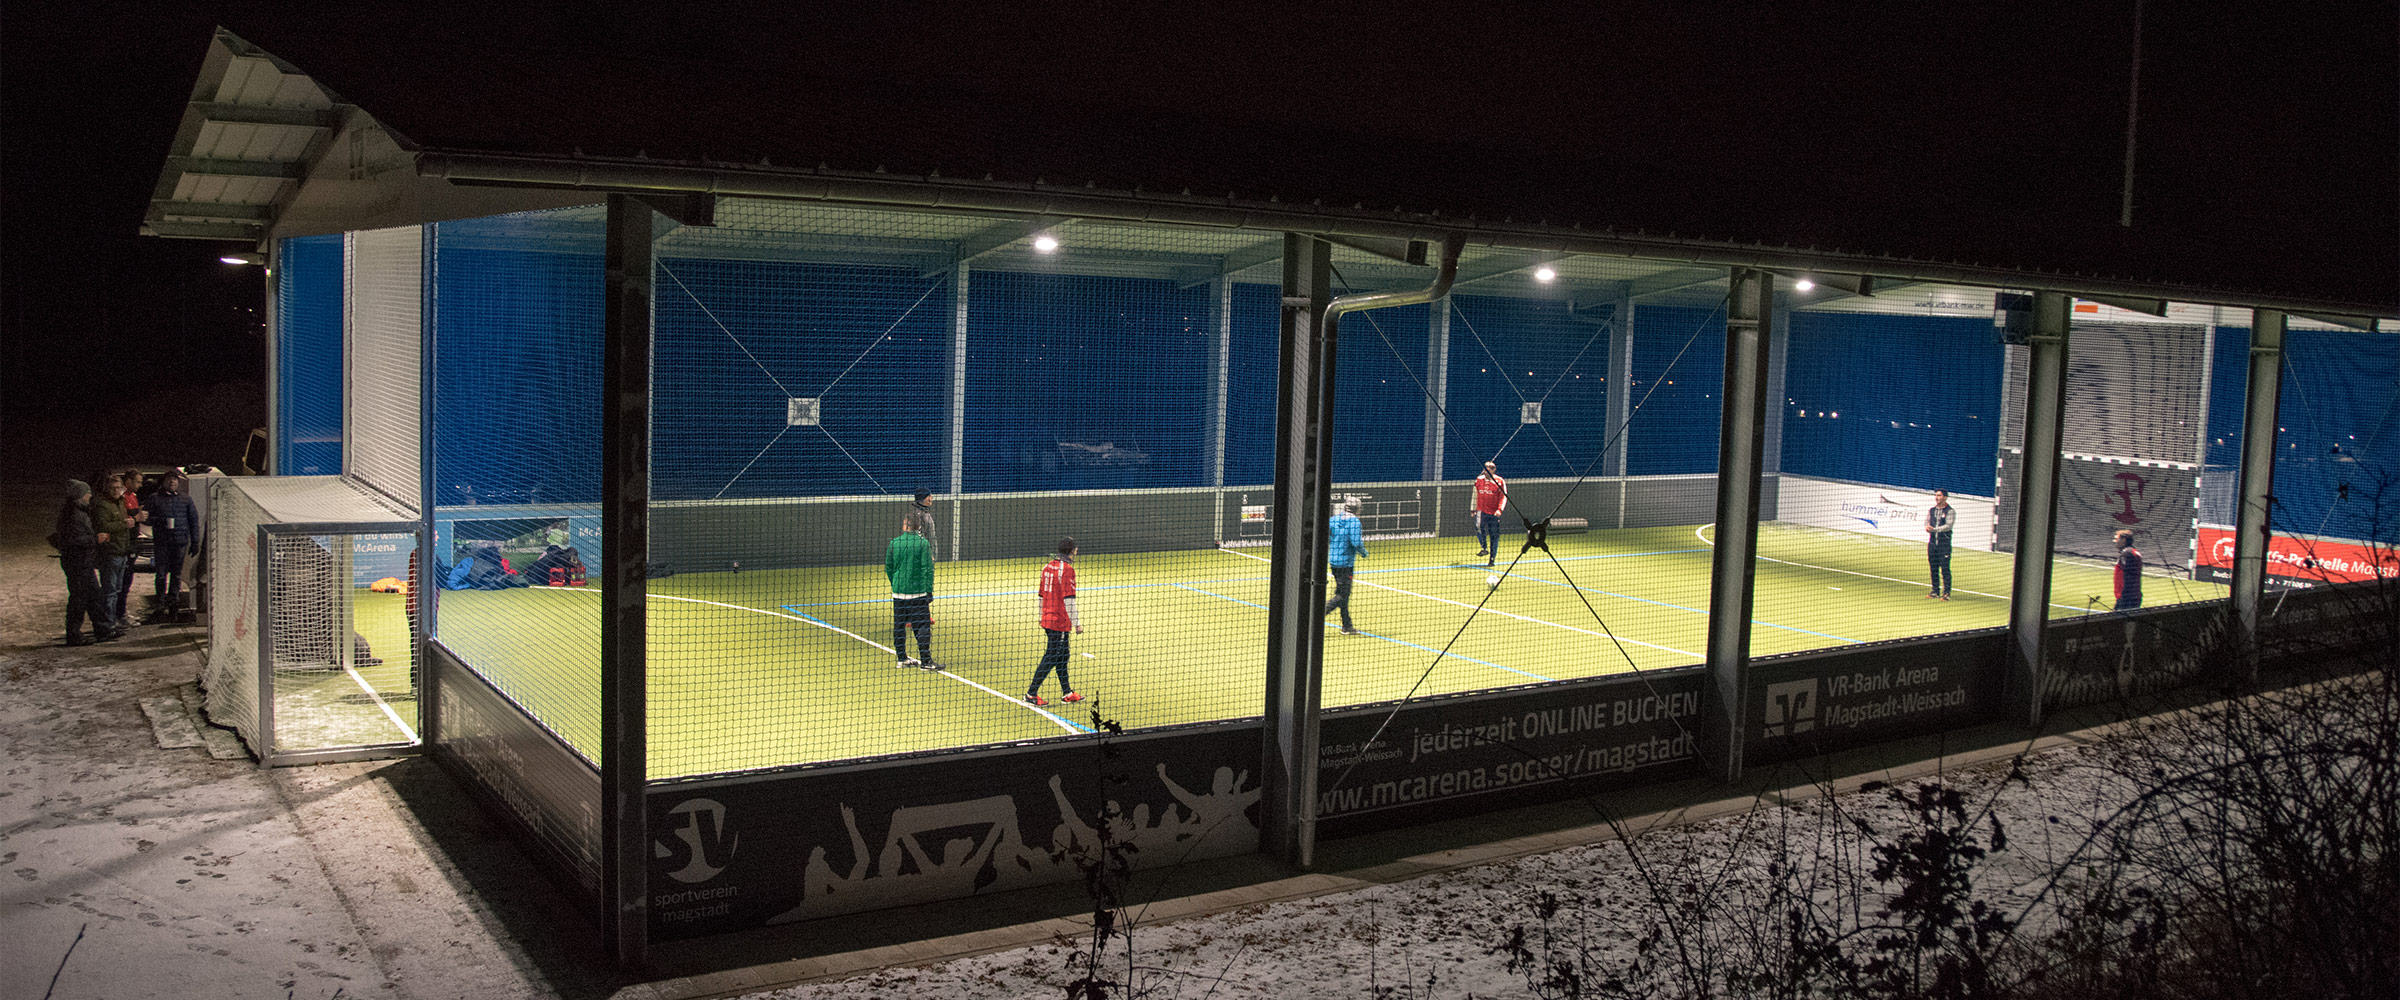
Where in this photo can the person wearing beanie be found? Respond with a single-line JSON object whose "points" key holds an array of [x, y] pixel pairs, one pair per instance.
{"points": [[923, 510], [78, 544]]}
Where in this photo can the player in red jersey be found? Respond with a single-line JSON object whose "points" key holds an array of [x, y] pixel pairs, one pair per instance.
{"points": [[1491, 500], [1058, 617]]}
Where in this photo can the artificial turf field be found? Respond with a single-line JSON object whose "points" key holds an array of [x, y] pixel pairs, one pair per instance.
{"points": [[768, 668]]}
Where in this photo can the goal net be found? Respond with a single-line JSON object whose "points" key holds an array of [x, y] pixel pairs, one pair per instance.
{"points": [[312, 633]]}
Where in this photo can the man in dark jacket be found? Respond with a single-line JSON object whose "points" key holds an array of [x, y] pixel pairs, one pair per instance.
{"points": [[114, 531], [174, 535], [77, 546]]}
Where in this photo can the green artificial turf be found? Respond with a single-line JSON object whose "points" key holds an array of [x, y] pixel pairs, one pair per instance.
{"points": [[766, 668], [323, 709]]}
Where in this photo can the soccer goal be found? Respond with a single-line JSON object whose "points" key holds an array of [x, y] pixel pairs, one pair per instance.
{"points": [[312, 636]]}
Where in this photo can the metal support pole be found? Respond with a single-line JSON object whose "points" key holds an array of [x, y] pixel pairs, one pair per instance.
{"points": [[2256, 482], [1741, 434], [276, 438], [1620, 386], [1295, 604], [1437, 389], [624, 551], [958, 406], [2037, 504], [1779, 348], [1220, 344]]}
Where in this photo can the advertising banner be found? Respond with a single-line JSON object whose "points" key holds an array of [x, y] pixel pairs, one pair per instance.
{"points": [[522, 772], [2299, 563], [733, 853], [1479, 753], [1879, 510], [2115, 655], [1829, 700]]}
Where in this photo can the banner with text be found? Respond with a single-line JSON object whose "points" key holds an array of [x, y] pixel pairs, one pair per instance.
{"points": [[2296, 562], [1879, 510], [1825, 701], [1479, 753]]}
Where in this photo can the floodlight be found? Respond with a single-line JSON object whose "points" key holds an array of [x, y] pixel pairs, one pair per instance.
{"points": [[1045, 244], [1545, 274], [1804, 284], [243, 258]]}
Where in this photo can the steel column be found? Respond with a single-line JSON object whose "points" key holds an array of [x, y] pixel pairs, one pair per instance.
{"points": [[2256, 482], [1295, 603], [624, 551], [1437, 391], [1741, 433], [2037, 504], [1220, 346], [958, 403], [1620, 390]]}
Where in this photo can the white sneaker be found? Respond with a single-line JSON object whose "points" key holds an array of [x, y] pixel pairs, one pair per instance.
{"points": [[908, 663]]}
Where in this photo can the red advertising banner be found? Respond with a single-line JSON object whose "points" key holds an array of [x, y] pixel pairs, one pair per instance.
{"points": [[2300, 559]]}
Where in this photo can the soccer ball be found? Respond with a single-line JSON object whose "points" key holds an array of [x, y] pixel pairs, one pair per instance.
{"points": [[1492, 580]]}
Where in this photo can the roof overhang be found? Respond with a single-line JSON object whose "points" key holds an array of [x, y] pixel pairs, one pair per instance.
{"points": [[1039, 200], [250, 130]]}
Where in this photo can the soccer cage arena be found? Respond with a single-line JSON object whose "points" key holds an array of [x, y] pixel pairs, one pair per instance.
{"points": [[815, 367]]}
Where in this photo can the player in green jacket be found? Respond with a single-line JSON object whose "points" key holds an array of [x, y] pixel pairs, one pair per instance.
{"points": [[908, 562]]}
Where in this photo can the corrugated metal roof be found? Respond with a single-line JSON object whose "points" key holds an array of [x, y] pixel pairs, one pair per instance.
{"points": [[248, 134]]}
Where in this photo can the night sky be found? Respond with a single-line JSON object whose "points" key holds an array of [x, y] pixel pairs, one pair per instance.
{"points": [[2269, 142]]}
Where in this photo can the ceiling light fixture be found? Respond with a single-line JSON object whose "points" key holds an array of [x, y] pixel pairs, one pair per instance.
{"points": [[1045, 244]]}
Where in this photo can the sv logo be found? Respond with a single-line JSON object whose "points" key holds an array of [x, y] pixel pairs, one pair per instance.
{"points": [[700, 840]]}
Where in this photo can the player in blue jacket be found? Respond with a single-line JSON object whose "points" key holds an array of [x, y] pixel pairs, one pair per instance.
{"points": [[1347, 545]]}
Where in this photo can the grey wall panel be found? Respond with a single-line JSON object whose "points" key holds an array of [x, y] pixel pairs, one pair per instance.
{"points": [[1013, 526]]}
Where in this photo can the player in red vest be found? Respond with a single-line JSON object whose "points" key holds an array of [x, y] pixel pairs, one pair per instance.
{"points": [[1491, 500], [2129, 572], [1058, 617]]}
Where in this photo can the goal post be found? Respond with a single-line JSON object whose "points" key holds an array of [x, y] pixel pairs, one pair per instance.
{"points": [[313, 638]]}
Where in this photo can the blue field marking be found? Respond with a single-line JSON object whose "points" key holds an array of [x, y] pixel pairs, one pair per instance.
{"points": [[1678, 607], [1386, 638]]}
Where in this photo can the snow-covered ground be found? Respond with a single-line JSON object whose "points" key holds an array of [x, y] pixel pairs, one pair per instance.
{"points": [[1443, 935]]}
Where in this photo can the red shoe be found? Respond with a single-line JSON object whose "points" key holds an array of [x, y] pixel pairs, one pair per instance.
{"points": [[1071, 696], [1036, 701]]}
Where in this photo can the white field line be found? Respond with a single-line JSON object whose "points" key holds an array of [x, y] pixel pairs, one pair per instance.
{"points": [[1851, 572], [1492, 611], [380, 703], [1019, 702]]}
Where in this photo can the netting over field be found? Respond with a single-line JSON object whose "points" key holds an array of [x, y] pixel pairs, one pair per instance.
{"points": [[816, 368]]}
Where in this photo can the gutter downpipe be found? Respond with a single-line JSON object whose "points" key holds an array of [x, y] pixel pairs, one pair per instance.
{"points": [[1296, 669]]}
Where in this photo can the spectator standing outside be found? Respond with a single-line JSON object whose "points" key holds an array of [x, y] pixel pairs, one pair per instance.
{"points": [[78, 554], [1058, 618], [174, 534], [1347, 544], [1938, 521], [923, 509], [2129, 571], [1491, 500], [908, 563], [114, 531], [131, 479]]}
